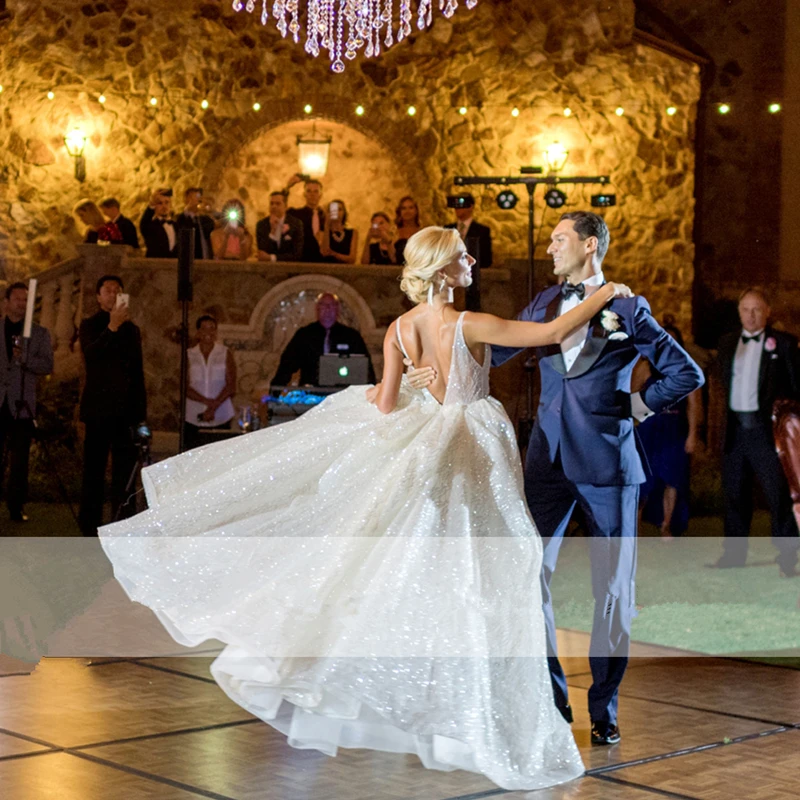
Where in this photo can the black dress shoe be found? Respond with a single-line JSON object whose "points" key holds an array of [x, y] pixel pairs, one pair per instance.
{"points": [[725, 563], [566, 712], [605, 733]]}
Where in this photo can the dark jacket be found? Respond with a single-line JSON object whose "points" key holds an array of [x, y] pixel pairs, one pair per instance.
{"points": [[38, 361], [778, 377], [584, 414], [155, 239], [478, 242], [128, 231], [291, 244], [307, 345], [114, 387], [311, 251], [203, 226]]}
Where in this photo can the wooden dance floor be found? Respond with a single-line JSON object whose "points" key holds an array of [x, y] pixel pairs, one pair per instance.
{"points": [[160, 728]]}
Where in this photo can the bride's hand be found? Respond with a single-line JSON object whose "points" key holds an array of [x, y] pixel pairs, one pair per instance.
{"points": [[372, 393], [621, 290], [419, 378]]}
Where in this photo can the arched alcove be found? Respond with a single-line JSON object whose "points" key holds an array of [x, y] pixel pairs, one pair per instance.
{"points": [[362, 171]]}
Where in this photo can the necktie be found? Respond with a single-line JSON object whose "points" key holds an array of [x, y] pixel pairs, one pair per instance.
{"points": [[462, 229], [326, 348], [746, 339], [567, 290]]}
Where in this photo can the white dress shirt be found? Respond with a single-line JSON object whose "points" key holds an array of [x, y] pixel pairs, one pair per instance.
{"points": [[746, 368], [573, 344], [276, 230]]}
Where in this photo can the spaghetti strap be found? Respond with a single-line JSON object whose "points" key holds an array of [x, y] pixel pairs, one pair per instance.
{"points": [[400, 338]]}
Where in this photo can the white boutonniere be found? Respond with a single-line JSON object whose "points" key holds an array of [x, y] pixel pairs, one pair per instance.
{"points": [[770, 345], [610, 320]]}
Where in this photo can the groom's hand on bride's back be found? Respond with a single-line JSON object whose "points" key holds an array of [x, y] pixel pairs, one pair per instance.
{"points": [[421, 377]]}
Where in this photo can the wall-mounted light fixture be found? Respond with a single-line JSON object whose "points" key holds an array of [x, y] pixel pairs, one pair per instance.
{"points": [[313, 150], [556, 156], [75, 141]]}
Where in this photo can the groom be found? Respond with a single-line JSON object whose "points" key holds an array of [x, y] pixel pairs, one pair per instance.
{"points": [[583, 448]]}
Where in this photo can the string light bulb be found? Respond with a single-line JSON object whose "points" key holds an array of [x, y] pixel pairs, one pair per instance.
{"points": [[568, 112], [101, 99], [360, 111], [723, 108], [619, 111], [411, 111], [256, 106], [308, 108], [50, 95], [462, 110], [154, 101], [774, 108], [515, 112], [672, 111], [204, 105], [1, 88]]}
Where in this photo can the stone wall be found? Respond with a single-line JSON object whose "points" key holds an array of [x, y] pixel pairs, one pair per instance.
{"points": [[538, 57]]}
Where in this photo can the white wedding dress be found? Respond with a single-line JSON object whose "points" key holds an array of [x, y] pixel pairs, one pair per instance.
{"points": [[374, 577]]}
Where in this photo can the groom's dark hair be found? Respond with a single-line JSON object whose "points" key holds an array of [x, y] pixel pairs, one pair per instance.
{"points": [[587, 224]]}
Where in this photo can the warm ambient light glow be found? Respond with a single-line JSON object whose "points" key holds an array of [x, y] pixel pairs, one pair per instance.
{"points": [[619, 111], [256, 106], [101, 99], [514, 112], [774, 108], [50, 95], [556, 156], [411, 111], [672, 111], [723, 108], [360, 111], [75, 141], [204, 105], [567, 112], [153, 101], [307, 108], [462, 110]]}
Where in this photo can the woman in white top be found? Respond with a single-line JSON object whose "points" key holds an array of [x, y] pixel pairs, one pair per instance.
{"points": [[212, 384]]}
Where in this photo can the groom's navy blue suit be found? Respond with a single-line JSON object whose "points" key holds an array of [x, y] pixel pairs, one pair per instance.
{"points": [[583, 449]]}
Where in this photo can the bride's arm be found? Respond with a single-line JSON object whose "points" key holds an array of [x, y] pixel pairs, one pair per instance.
{"points": [[389, 388], [512, 333]]}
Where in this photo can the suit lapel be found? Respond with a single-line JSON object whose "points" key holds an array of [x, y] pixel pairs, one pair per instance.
{"points": [[594, 345], [763, 367], [552, 352]]}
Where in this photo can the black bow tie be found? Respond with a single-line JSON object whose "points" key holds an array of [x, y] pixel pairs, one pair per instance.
{"points": [[746, 339], [567, 290], [165, 221]]}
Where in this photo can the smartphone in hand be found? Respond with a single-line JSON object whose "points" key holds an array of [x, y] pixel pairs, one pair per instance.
{"points": [[123, 299]]}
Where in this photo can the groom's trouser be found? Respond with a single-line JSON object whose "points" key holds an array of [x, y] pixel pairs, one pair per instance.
{"points": [[611, 513]]}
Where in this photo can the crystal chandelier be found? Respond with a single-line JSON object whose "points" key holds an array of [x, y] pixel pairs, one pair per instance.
{"points": [[369, 23]]}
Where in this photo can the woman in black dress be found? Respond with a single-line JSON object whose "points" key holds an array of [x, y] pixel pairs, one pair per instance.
{"points": [[407, 222], [338, 244], [379, 247]]}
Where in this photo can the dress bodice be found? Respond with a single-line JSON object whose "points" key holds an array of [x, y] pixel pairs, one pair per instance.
{"points": [[468, 380]]}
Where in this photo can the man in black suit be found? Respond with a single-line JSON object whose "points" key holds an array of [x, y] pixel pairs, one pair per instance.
{"points": [[279, 237], [158, 227], [311, 216], [110, 210], [477, 237], [192, 218], [113, 402], [326, 335], [757, 365]]}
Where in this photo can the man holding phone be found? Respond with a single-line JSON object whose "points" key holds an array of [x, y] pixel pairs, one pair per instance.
{"points": [[311, 216], [113, 401]]}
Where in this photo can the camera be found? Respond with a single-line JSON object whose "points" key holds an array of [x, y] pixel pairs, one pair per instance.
{"points": [[460, 201], [333, 210]]}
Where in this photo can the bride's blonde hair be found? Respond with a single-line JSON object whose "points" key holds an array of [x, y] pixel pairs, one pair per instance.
{"points": [[427, 252]]}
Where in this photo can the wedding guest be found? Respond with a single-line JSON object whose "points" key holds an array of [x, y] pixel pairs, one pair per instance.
{"points": [[212, 384], [786, 426], [111, 211], [193, 217], [338, 243], [279, 237], [19, 371], [233, 240], [758, 365], [477, 237], [311, 216], [97, 229], [158, 227], [407, 223], [113, 403], [326, 335], [668, 439], [379, 247]]}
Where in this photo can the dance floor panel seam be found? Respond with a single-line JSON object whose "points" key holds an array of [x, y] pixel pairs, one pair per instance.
{"points": [[171, 671], [644, 787]]}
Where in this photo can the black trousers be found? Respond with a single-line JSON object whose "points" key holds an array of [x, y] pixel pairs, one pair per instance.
{"points": [[106, 437], [752, 455], [15, 447]]}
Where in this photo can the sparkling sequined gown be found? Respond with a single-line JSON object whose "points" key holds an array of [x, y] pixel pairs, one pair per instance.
{"points": [[375, 578]]}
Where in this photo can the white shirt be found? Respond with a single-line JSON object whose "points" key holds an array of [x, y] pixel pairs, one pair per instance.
{"points": [[572, 345], [746, 368], [208, 377], [279, 227]]}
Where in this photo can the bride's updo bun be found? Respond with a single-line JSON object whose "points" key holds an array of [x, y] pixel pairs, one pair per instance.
{"points": [[427, 252]]}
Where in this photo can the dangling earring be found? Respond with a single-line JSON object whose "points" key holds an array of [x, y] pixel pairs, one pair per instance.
{"points": [[430, 294], [449, 290]]}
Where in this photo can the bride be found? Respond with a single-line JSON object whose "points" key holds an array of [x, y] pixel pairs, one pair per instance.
{"points": [[372, 566]]}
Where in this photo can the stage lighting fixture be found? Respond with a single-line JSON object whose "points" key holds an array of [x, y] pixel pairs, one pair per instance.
{"points": [[604, 200], [555, 198], [507, 200]]}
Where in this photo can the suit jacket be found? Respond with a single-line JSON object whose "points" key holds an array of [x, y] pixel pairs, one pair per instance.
{"points": [[114, 387], [478, 242], [203, 226], [38, 361], [308, 344], [779, 373], [155, 239], [311, 251], [585, 414], [291, 244], [128, 231]]}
